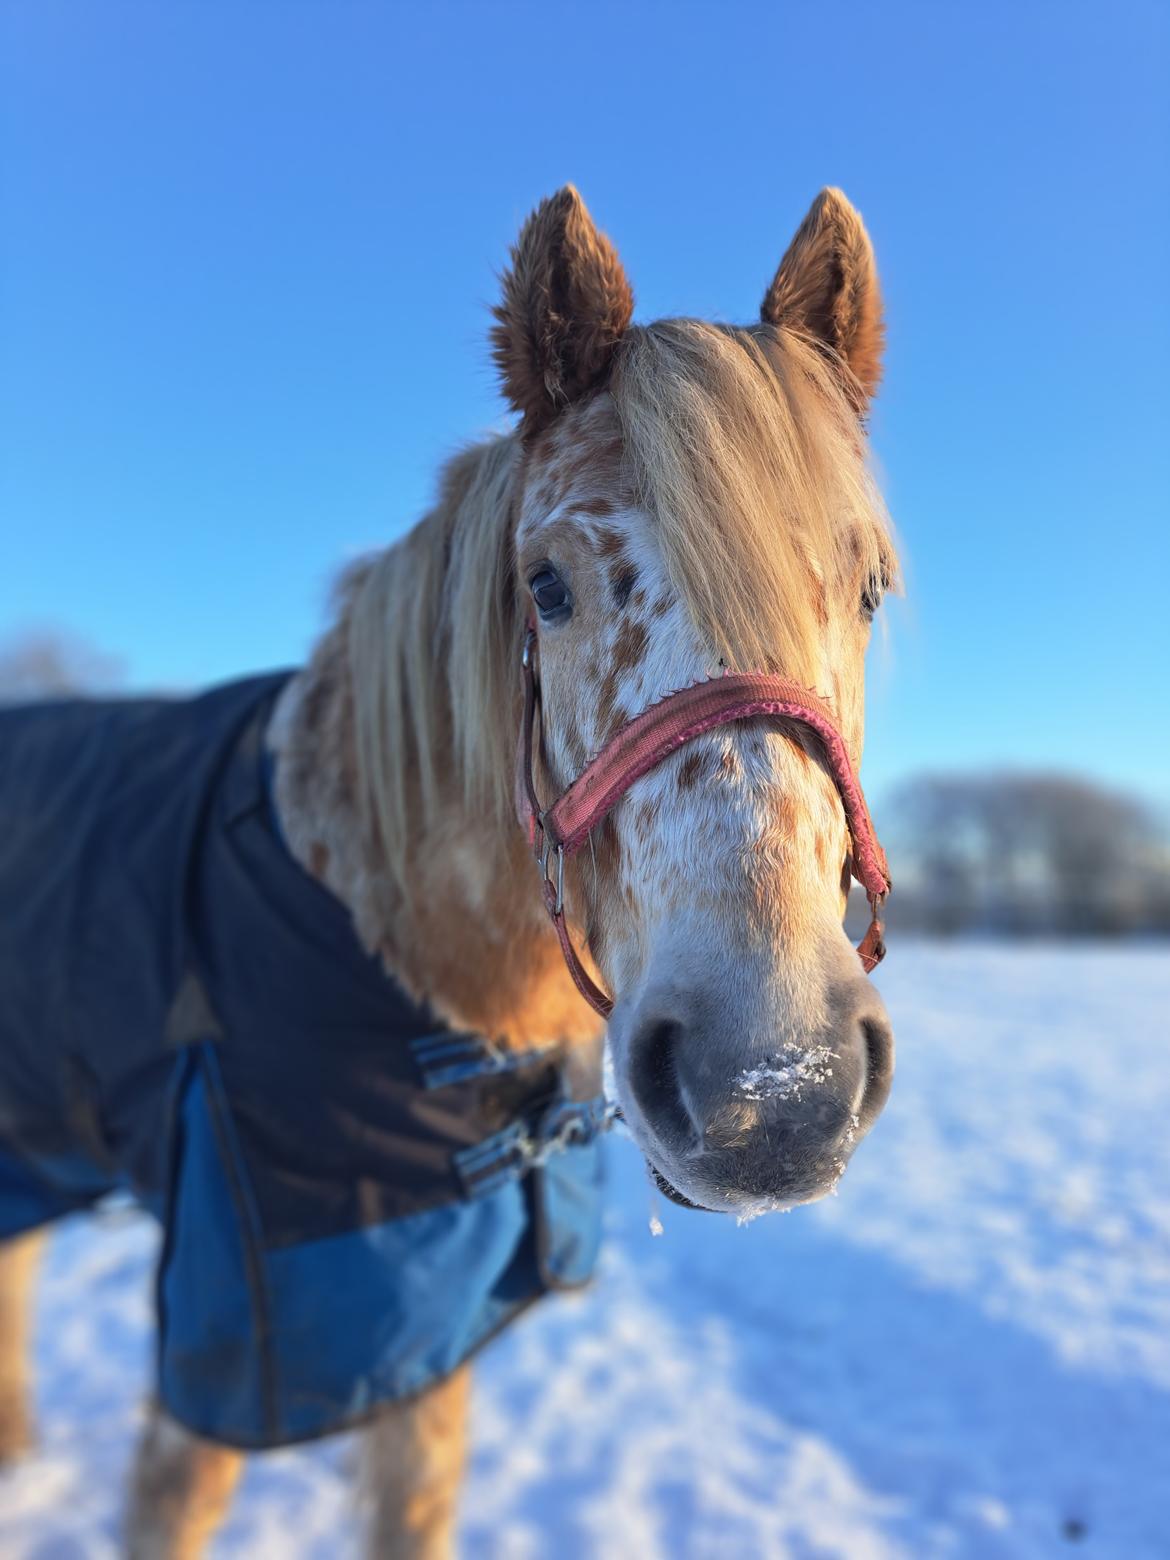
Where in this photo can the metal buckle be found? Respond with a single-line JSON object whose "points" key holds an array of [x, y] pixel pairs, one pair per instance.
{"points": [[543, 865], [569, 1124]]}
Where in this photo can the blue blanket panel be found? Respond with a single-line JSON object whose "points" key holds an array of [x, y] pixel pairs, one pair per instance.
{"points": [[353, 1198]]}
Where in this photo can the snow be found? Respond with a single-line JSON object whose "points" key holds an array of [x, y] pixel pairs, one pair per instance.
{"points": [[785, 1075], [964, 1354]]}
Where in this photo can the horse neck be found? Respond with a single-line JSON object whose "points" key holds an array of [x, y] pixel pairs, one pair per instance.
{"points": [[467, 934]]}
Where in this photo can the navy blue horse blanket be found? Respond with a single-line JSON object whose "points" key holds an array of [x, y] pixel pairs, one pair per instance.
{"points": [[349, 1192]]}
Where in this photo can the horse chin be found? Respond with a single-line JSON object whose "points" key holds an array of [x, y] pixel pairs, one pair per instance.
{"points": [[672, 1192]]}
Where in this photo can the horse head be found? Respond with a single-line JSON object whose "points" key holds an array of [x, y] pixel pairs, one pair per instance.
{"points": [[693, 498]]}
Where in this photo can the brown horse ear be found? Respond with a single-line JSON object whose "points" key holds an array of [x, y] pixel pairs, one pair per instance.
{"points": [[827, 288], [566, 303]]}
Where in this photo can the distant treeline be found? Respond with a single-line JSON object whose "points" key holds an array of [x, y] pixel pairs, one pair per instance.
{"points": [[1008, 854], [49, 663], [1025, 855]]}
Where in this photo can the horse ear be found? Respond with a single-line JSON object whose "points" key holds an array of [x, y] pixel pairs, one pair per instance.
{"points": [[827, 287], [566, 303]]}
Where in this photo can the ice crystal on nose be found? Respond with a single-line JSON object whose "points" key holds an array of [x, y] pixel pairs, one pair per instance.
{"points": [[784, 1074], [757, 1210]]}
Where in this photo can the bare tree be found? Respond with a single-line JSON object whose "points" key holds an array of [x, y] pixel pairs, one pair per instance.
{"points": [[1027, 853], [47, 663]]}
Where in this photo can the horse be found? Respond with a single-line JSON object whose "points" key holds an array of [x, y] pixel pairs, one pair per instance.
{"points": [[649, 600]]}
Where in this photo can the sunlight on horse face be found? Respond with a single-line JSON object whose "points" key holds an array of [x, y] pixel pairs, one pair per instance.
{"points": [[750, 1052], [692, 496]]}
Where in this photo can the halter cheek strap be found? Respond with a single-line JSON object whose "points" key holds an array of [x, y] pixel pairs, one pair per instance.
{"points": [[559, 831]]}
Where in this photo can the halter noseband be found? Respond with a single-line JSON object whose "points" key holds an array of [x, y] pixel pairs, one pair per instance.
{"points": [[559, 831]]}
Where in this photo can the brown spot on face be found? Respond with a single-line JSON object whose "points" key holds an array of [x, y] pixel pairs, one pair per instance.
{"points": [[318, 859], [630, 647], [542, 448], [772, 847], [661, 607], [577, 461], [645, 819], [597, 506], [589, 467], [596, 456], [609, 718], [622, 579], [574, 742], [729, 766], [609, 543], [692, 770], [546, 496]]}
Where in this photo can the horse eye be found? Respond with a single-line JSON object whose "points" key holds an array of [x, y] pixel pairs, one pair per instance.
{"points": [[874, 592], [549, 591], [871, 598]]}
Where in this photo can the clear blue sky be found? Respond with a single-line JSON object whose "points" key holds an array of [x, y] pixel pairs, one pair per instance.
{"points": [[248, 250]]}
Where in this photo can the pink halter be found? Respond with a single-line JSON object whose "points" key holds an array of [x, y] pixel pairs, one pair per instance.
{"points": [[561, 830]]}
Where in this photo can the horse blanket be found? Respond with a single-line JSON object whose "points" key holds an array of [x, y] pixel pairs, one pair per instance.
{"points": [[353, 1197]]}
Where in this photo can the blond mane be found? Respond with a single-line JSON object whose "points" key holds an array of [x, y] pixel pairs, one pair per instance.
{"points": [[432, 643], [743, 446]]}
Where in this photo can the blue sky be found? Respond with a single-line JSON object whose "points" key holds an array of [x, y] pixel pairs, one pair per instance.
{"points": [[248, 251]]}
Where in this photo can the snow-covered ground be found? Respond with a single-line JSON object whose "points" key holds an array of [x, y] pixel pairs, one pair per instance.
{"points": [[965, 1353]]}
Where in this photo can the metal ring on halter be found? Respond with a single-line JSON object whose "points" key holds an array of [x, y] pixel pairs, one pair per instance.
{"points": [[560, 850], [542, 862], [545, 847]]}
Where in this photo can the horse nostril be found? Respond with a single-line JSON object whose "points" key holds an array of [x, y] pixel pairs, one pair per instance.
{"points": [[878, 1037], [654, 1078]]}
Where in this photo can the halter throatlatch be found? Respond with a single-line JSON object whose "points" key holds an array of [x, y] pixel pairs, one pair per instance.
{"points": [[558, 832]]}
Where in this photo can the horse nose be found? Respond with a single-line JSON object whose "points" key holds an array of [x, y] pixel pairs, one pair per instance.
{"points": [[737, 1122], [877, 1034], [657, 1050]]}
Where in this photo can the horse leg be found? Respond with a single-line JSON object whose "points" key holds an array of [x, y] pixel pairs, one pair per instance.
{"points": [[18, 1266], [181, 1489], [412, 1462]]}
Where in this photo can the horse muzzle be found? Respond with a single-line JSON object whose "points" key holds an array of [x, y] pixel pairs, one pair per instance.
{"points": [[743, 1126]]}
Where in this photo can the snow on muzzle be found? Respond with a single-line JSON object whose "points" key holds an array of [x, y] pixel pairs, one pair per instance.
{"points": [[743, 1126]]}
